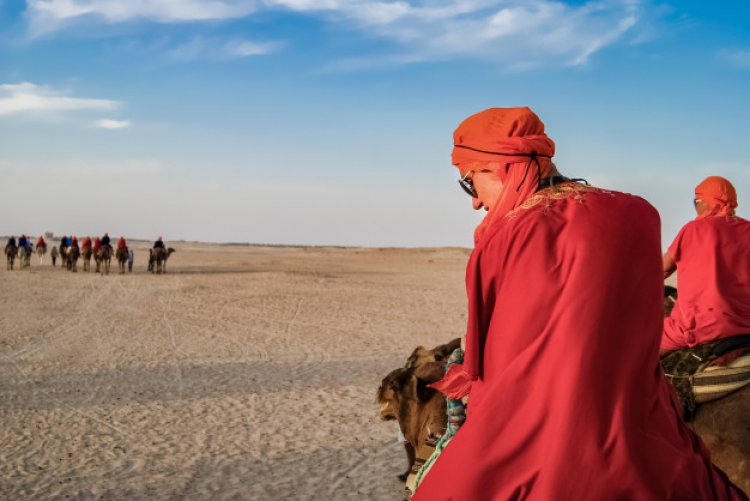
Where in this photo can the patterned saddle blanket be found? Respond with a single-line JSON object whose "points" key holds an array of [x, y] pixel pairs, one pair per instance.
{"points": [[708, 371]]}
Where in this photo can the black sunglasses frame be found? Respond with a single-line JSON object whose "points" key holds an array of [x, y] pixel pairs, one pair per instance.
{"points": [[468, 186]]}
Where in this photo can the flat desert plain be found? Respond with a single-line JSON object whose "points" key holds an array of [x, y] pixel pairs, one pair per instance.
{"points": [[243, 373]]}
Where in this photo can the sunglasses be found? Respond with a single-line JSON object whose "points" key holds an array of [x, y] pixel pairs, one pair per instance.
{"points": [[468, 185], [695, 201]]}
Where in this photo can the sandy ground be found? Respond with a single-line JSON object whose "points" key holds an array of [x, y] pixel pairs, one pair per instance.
{"points": [[243, 373]]}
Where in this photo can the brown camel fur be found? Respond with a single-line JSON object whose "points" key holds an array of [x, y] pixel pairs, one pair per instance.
{"points": [[403, 396], [63, 254], [157, 259], [10, 253], [86, 254], [104, 259], [24, 254], [71, 259], [122, 258], [722, 424], [419, 357]]}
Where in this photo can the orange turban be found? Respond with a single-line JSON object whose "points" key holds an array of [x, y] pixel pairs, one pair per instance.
{"points": [[513, 144], [720, 196]]}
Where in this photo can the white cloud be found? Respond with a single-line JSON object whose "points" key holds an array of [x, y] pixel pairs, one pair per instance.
{"points": [[518, 33], [48, 15], [220, 49], [28, 98], [108, 123], [736, 57]]}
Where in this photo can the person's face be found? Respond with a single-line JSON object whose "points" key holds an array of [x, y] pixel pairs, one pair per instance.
{"points": [[700, 206], [488, 186]]}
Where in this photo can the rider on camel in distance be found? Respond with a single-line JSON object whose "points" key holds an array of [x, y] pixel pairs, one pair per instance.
{"points": [[711, 254]]}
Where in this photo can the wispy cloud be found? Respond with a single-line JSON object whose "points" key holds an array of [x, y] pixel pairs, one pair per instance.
{"points": [[216, 49], [736, 57], [49, 15], [108, 123], [28, 98], [522, 33]]}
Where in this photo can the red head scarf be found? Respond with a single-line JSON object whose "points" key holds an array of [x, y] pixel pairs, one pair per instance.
{"points": [[512, 142], [720, 196]]}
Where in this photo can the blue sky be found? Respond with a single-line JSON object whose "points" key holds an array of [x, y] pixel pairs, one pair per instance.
{"points": [[330, 121]]}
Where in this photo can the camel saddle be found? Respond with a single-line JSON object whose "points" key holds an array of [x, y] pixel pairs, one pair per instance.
{"points": [[708, 371]]}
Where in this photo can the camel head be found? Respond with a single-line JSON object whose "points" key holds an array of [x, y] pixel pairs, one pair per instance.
{"points": [[440, 353]]}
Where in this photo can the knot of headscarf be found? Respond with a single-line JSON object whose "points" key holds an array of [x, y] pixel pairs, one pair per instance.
{"points": [[719, 195], [509, 142]]}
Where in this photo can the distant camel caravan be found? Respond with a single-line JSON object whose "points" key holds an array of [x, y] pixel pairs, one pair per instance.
{"points": [[103, 255], [10, 254], [719, 390], [157, 260]]}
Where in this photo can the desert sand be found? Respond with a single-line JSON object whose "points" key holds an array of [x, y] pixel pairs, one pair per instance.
{"points": [[243, 373]]}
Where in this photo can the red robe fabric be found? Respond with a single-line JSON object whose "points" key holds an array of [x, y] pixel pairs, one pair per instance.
{"points": [[567, 400], [713, 280]]}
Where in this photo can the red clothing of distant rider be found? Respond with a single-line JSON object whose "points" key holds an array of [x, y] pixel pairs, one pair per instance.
{"points": [[712, 257]]}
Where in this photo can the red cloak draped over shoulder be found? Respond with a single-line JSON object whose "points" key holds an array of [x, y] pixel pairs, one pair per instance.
{"points": [[567, 400]]}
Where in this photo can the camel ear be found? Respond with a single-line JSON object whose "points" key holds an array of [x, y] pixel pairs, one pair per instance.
{"points": [[426, 374], [415, 355]]}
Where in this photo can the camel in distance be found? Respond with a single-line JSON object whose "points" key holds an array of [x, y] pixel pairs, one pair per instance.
{"points": [[157, 259], [10, 255]]}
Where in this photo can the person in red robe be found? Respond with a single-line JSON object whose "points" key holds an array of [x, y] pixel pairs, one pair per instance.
{"points": [[40, 242], [712, 256], [86, 243], [566, 398], [121, 243], [97, 244]]}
